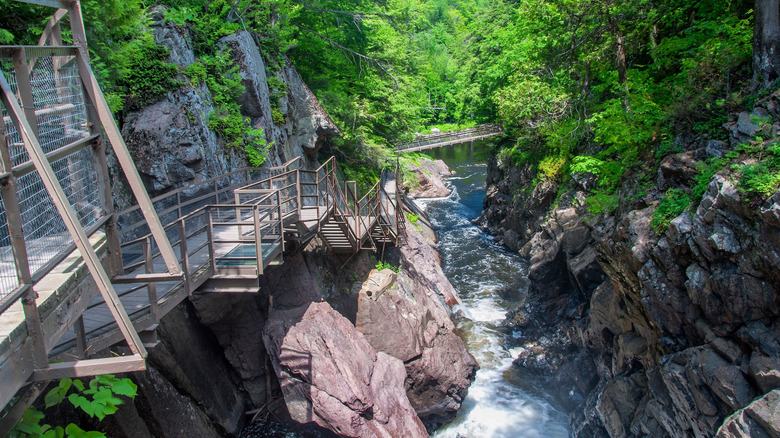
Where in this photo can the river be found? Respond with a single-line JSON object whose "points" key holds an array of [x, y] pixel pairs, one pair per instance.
{"points": [[500, 402]]}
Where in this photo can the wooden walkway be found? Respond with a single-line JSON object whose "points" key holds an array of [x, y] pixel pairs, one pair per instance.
{"points": [[77, 277], [430, 141]]}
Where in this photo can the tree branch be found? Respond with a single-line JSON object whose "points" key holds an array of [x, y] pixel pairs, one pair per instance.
{"points": [[361, 58]]}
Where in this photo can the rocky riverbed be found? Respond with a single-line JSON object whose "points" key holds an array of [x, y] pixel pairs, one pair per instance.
{"points": [[642, 333]]}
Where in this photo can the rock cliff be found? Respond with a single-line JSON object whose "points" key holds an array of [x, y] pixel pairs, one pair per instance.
{"points": [[645, 333], [171, 142]]}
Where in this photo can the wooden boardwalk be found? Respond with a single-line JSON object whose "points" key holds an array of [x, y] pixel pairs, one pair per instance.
{"points": [[78, 278], [430, 141]]}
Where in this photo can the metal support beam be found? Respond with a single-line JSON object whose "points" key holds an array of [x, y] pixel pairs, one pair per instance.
{"points": [[26, 400], [70, 218], [123, 156]]}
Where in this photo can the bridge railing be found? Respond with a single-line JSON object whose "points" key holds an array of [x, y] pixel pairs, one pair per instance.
{"points": [[446, 137]]}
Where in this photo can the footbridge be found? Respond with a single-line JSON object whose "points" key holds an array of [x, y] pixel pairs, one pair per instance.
{"points": [[82, 286], [439, 139]]}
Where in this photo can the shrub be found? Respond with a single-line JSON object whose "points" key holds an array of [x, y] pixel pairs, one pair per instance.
{"points": [[382, 265], [552, 167], [673, 203], [146, 74], [99, 399]]}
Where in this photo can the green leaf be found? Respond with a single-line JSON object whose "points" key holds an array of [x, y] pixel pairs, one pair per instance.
{"points": [[53, 398], [81, 402], [125, 387], [78, 384]]}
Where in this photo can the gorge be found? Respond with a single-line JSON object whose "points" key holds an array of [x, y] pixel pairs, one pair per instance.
{"points": [[607, 267]]}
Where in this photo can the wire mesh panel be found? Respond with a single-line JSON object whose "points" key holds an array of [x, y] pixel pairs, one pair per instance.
{"points": [[8, 278], [57, 95]]}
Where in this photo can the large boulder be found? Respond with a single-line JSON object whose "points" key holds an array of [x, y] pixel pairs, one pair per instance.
{"points": [[428, 179], [330, 375], [409, 322]]}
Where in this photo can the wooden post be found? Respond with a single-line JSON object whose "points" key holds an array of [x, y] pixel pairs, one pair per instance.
{"points": [[106, 195], [185, 255], [13, 216], [281, 222], [117, 142], [24, 87], [151, 287], [81, 338], [298, 198], [210, 236], [258, 240], [70, 219]]}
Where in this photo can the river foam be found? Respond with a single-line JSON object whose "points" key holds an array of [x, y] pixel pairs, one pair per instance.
{"points": [[488, 278]]}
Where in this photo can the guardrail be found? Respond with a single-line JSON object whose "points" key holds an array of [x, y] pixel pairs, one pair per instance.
{"points": [[430, 141]]}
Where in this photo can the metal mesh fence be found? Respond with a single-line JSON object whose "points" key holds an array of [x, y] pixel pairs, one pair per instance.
{"points": [[61, 120]]}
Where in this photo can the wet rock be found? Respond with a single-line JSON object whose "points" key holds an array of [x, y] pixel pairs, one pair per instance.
{"points": [[245, 53], [765, 371], [165, 411], [715, 148], [415, 257], [177, 39], [618, 403], [330, 375]]}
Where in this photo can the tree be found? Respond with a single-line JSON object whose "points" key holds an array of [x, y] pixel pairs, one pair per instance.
{"points": [[766, 43]]}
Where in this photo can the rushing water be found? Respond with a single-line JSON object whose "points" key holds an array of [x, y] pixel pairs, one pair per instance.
{"points": [[488, 278]]}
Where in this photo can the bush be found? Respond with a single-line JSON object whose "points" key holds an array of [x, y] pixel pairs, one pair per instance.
{"points": [[673, 203], [146, 74], [552, 167], [382, 265]]}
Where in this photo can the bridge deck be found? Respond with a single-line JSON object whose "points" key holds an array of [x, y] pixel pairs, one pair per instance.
{"points": [[437, 140]]}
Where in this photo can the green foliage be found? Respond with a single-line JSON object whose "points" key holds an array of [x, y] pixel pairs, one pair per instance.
{"points": [[551, 168], [100, 398], [761, 178], [146, 74], [706, 171], [180, 16], [197, 72], [602, 202], [672, 204], [382, 265], [413, 219], [277, 116]]}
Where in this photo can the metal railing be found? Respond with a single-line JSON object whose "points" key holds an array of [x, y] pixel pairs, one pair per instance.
{"points": [[430, 141]]}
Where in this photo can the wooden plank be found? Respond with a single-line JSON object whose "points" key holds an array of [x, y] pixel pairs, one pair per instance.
{"points": [[147, 278], [15, 372], [91, 367], [52, 29], [59, 4], [117, 142], [69, 217], [151, 287]]}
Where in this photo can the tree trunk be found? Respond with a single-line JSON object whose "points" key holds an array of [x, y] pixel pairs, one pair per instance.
{"points": [[766, 43], [620, 53]]}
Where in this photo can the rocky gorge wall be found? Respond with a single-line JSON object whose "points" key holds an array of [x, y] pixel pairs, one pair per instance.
{"points": [[171, 142], [319, 344], [650, 334]]}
